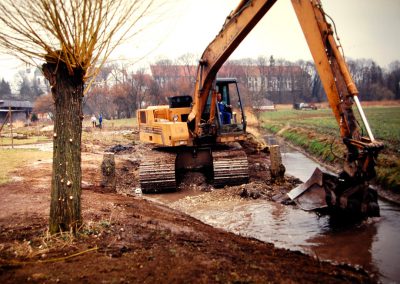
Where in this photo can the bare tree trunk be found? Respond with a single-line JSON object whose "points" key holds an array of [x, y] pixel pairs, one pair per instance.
{"points": [[67, 91]]}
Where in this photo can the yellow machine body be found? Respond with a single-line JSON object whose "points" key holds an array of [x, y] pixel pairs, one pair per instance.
{"points": [[163, 125]]}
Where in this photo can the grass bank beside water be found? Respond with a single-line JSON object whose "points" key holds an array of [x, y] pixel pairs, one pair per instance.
{"points": [[317, 132], [12, 159]]}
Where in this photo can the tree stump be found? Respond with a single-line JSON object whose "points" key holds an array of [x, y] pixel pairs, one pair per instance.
{"points": [[108, 172], [277, 169]]}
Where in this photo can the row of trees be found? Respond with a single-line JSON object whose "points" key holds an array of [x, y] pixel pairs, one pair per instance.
{"points": [[118, 92], [132, 90], [373, 82], [28, 90]]}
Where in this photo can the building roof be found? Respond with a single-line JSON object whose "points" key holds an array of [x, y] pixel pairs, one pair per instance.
{"points": [[265, 102], [15, 104]]}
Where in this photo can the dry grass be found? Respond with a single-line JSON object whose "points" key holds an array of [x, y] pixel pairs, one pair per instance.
{"points": [[40, 247], [106, 138]]}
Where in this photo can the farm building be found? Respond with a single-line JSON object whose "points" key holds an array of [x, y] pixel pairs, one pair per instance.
{"points": [[21, 110], [264, 104]]}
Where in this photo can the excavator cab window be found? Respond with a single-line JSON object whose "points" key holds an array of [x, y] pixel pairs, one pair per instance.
{"points": [[230, 117], [235, 121]]}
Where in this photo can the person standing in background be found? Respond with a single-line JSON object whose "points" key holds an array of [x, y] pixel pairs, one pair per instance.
{"points": [[93, 120], [100, 120]]}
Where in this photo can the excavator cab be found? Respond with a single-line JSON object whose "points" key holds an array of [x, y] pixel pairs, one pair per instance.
{"points": [[228, 116]]}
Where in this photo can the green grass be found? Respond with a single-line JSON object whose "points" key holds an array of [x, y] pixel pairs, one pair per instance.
{"points": [[30, 140], [124, 123], [12, 159], [384, 121], [318, 133]]}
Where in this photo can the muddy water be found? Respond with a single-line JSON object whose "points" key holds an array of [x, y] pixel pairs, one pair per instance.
{"points": [[373, 244]]}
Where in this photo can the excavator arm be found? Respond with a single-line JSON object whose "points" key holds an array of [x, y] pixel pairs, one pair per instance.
{"points": [[336, 79], [236, 27], [339, 87]]}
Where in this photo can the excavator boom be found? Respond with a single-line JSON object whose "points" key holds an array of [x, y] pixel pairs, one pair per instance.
{"points": [[199, 124], [236, 27]]}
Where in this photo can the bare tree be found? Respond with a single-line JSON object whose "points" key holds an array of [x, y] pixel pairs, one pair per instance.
{"points": [[5, 90], [45, 105], [140, 85], [155, 94], [71, 37], [100, 101], [393, 78]]}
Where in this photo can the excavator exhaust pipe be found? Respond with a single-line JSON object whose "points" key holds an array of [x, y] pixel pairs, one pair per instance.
{"points": [[336, 194]]}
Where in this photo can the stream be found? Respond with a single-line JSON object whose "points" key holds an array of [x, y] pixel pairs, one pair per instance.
{"points": [[373, 244]]}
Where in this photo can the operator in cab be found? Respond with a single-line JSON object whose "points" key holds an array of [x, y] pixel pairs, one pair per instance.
{"points": [[224, 110]]}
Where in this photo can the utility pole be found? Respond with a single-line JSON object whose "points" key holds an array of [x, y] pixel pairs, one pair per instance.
{"points": [[11, 127]]}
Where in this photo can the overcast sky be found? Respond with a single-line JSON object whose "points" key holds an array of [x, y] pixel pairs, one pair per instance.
{"points": [[367, 29]]}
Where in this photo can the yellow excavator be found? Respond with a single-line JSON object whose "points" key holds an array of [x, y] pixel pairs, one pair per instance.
{"points": [[192, 131]]}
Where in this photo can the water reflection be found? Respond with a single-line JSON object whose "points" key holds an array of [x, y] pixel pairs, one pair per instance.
{"points": [[386, 244], [348, 244], [372, 244]]}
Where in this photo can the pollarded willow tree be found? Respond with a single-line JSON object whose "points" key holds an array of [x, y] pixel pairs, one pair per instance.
{"points": [[70, 39]]}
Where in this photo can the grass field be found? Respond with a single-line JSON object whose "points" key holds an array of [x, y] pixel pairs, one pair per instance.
{"points": [[11, 159], [318, 133], [14, 158], [6, 141], [124, 123]]}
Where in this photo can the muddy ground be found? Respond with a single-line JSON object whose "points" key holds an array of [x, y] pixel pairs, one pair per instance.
{"points": [[127, 238]]}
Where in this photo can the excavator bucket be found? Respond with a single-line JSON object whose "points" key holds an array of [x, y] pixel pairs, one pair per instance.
{"points": [[311, 194], [326, 192]]}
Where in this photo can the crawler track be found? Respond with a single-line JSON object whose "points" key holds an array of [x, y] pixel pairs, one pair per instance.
{"points": [[230, 167], [157, 172]]}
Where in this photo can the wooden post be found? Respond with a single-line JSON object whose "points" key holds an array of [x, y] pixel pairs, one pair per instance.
{"points": [[277, 168], [11, 127], [108, 172]]}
